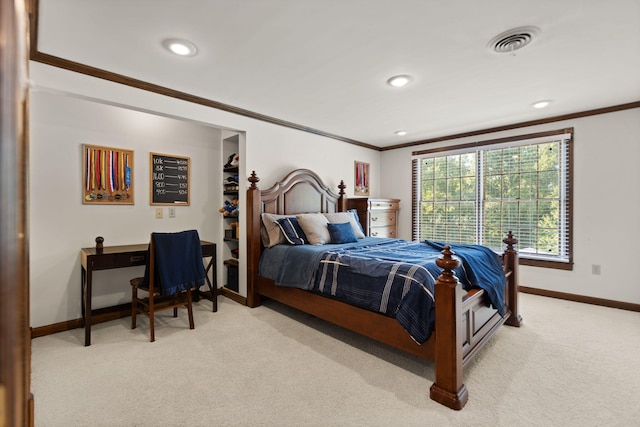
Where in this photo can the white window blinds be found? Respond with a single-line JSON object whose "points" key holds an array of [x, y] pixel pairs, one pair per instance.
{"points": [[477, 193]]}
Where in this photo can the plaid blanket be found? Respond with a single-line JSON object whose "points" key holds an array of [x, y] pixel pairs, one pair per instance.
{"points": [[395, 278], [389, 276]]}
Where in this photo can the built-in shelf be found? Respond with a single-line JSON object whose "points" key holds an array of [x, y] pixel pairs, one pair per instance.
{"points": [[230, 193]]}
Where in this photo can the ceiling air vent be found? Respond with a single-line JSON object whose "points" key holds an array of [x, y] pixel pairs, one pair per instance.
{"points": [[514, 39]]}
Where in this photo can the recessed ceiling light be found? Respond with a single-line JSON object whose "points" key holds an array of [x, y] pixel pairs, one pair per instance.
{"points": [[399, 81], [541, 104], [180, 47], [401, 132]]}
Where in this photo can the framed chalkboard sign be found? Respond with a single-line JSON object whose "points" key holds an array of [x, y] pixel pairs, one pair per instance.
{"points": [[107, 176], [169, 179]]}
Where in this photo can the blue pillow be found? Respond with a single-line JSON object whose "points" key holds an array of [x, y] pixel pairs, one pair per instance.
{"points": [[292, 231], [341, 233], [355, 213]]}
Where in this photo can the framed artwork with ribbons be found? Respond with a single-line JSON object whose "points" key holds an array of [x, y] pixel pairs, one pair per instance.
{"points": [[107, 176]]}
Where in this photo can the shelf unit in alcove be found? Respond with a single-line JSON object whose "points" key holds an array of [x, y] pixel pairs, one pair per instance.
{"points": [[230, 192]]}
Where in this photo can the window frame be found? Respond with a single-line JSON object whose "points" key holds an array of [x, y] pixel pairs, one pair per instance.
{"points": [[518, 140]]}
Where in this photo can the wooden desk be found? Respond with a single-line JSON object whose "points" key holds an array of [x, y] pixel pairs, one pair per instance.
{"points": [[129, 256]]}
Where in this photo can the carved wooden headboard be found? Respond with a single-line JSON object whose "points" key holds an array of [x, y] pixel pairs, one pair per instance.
{"points": [[301, 191]]}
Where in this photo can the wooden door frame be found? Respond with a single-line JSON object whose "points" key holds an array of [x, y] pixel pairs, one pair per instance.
{"points": [[16, 402]]}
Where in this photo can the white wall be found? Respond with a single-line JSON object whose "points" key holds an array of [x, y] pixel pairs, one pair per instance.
{"points": [[606, 206], [60, 224], [83, 109]]}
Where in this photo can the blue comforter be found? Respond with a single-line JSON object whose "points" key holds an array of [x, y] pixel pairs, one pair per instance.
{"points": [[390, 276]]}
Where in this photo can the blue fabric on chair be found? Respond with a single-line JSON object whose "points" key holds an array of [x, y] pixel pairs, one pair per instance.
{"points": [[178, 262]]}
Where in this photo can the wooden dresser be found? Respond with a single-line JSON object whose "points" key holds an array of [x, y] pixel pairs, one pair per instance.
{"points": [[379, 217]]}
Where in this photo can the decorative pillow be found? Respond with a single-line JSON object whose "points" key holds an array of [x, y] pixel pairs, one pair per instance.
{"points": [[351, 217], [355, 214], [292, 231], [341, 233], [314, 226], [272, 234]]}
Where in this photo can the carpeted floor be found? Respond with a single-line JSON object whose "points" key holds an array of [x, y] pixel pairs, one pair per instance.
{"points": [[570, 364]]}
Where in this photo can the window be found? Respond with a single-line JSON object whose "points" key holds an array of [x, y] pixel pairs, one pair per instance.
{"points": [[476, 193]]}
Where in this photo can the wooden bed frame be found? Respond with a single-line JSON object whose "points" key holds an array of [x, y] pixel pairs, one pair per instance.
{"points": [[464, 322]]}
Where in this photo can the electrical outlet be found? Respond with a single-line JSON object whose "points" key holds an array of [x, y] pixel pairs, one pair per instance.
{"points": [[158, 213], [172, 212], [595, 269]]}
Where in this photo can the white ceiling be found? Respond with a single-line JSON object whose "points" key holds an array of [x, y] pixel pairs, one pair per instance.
{"points": [[323, 64]]}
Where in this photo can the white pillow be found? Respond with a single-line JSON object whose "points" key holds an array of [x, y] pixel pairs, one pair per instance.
{"points": [[315, 228], [342, 217], [272, 234]]}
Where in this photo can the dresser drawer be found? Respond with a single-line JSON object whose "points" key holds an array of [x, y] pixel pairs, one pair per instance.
{"points": [[383, 232], [375, 205], [381, 219], [378, 217]]}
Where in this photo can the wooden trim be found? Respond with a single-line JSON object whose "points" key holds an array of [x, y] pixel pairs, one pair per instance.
{"points": [[37, 56], [100, 315], [15, 347], [234, 296], [581, 114], [495, 141], [581, 298], [558, 265]]}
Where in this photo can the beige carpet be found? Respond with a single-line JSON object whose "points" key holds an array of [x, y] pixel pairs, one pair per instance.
{"points": [[570, 364]]}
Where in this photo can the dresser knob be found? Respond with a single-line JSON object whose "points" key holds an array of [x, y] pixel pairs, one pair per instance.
{"points": [[375, 218]]}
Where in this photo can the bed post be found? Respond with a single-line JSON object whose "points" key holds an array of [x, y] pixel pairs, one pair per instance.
{"points": [[448, 388], [254, 207], [342, 200], [510, 261]]}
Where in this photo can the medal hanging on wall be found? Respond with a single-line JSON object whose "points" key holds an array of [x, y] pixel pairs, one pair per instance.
{"points": [[94, 156], [107, 175], [127, 175], [103, 174]]}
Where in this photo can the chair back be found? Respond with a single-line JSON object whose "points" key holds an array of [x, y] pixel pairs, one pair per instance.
{"points": [[174, 262]]}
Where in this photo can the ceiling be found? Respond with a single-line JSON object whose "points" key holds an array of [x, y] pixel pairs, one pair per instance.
{"points": [[323, 64]]}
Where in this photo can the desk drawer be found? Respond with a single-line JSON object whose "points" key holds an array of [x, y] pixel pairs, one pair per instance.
{"points": [[381, 219], [107, 261]]}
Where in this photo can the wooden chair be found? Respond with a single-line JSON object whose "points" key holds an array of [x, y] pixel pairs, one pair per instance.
{"points": [[174, 267]]}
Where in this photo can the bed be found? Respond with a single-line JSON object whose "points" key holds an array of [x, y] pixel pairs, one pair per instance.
{"points": [[463, 320]]}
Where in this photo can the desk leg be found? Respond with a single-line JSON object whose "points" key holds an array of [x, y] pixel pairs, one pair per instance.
{"points": [[213, 289], [86, 303]]}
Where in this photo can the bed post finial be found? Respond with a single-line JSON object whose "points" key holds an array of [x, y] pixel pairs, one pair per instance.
{"points": [[510, 241], [253, 179], [447, 263], [448, 388], [342, 200]]}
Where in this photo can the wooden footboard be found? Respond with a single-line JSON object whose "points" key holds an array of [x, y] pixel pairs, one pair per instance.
{"points": [[464, 322]]}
